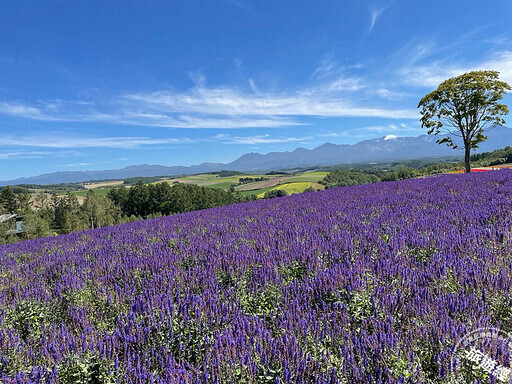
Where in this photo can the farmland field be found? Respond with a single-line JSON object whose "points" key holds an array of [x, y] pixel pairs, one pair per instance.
{"points": [[295, 187], [99, 191], [213, 181], [365, 284]]}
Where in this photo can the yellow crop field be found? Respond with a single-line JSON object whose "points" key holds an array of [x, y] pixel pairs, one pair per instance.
{"points": [[292, 188]]}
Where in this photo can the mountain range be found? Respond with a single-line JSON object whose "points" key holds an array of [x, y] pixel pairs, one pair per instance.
{"points": [[385, 148]]}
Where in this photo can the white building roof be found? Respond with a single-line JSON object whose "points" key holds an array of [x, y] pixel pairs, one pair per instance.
{"points": [[6, 217]]}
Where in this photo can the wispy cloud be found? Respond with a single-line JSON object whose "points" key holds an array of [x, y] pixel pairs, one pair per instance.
{"points": [[430, 73], [401, 127], [20, 109], [334, 77], [216, 107], [383, 128], [327, 67], [23, 155], [85, 142], [154, 116], [228, 101], [375, 13], [388, 94], [78, 165], [259, 139]]}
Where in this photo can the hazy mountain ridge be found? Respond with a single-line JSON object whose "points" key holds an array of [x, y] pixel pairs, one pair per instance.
{"points": [[380, 149]]}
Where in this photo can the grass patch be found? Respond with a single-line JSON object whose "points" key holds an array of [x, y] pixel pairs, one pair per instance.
{"points": [[292, 188], [99, 191], [313, 177]]}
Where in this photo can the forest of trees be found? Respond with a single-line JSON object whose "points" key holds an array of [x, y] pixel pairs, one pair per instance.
{"points": [[45, 215], [411, 169]]}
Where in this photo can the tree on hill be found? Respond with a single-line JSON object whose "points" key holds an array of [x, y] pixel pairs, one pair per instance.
{"points": [[465, 106], [275, 193]]}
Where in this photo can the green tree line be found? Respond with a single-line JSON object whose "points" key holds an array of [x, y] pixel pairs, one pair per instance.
{"points": [[45, 215], [346, 177]]}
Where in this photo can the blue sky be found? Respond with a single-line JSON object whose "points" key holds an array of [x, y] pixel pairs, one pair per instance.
{"points": [[95, 84]]}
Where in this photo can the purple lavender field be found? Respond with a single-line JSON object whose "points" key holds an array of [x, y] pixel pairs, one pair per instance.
{"points": [[365, 284]]}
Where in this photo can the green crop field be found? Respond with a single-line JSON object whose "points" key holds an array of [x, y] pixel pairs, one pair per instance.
{"points": [[313, 177], [290, 183], [223, 184], [292, 188]]}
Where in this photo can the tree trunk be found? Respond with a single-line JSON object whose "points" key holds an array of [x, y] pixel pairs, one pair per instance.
{"points": [[467, 156]]}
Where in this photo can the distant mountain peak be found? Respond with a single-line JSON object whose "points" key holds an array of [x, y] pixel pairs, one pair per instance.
{"points": [[385, 148]]}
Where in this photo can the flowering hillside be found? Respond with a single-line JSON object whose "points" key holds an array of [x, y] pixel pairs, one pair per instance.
{"points": [[366, 284]]}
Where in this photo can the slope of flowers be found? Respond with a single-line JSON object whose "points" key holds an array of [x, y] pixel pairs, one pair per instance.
{"points": [[364, 284]]}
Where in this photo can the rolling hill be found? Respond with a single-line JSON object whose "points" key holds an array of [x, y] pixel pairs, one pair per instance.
{"points": [[380, 149]]}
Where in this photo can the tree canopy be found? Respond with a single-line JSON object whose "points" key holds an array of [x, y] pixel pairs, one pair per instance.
{"points": [[464, 107]]}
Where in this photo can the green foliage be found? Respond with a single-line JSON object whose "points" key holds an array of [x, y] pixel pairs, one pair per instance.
{"points": [[67, 215], [401, 174], [423, 255], [275, 193], [464, 106], [119, 197], [501, 312], [275, 173], [35, 226], [86, 369], [139, 199], [162, 199], [99, 211], [294, 270], [144, 180], [229, 173], [342, 177], [8, 200], [247, 180], [27, 318], [499, 156], [261, 302]]}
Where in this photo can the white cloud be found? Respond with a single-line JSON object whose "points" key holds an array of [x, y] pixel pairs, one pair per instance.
{"points": [[253, 86], [222, 107], [259, 139], [85, 142], [389, 95], [327, 67], [23, 155], [432, 74], [165, 120], [374, 13], [224, 101], [78, 165], [336, 134], [19, 109], [334, 94], [402, 128], [383, 128]]}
